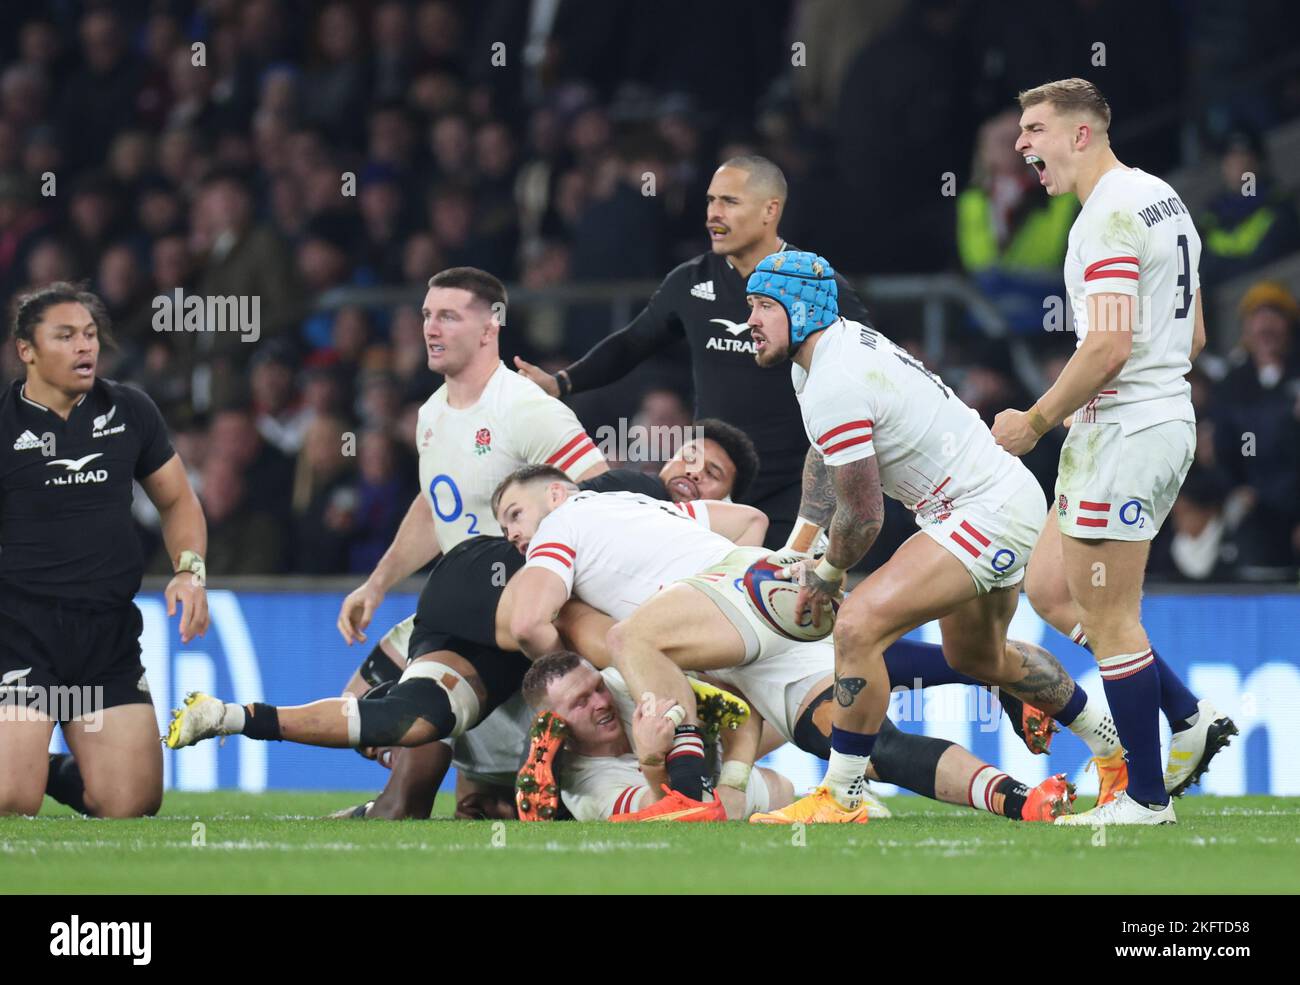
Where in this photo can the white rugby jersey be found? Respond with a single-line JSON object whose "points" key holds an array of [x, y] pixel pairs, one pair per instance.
{"points": [[594, 787], [865, 395], [1134, 236], [466, 452], [614, 550]]}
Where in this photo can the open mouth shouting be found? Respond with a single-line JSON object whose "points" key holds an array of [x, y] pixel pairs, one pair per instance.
{"points": [[1039, 165], [84, 369], [717, 231]]}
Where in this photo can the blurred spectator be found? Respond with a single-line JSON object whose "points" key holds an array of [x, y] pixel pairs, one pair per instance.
{"points": [[242, 540], [99, 100], [383, 494], [1010, 236], [1200, 546], [234, 438], [1257, 430], [1249, 223], [281, 418], [324, 500]]}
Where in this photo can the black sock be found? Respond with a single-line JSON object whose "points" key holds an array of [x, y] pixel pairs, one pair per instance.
{"points": [[686, 762], [1015, 794], [261, 721], [65, 784]]}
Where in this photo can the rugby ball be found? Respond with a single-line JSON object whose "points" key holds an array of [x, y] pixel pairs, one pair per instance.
{"points": [[774, 600]]}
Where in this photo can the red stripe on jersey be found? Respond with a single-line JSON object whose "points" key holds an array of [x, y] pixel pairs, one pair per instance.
{"points": [[1085, 504], [1107, 262], [572, 443], [852, 425], [583, 449], [556, 545], [1107, 393], [1092, 521], [864, 439], [553, 556], [686, 508], [967, 545], [975, 533], [623, 804], [1103, 274]]}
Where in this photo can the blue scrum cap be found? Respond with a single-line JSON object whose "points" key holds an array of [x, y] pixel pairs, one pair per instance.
{"points": [[802, 283]]}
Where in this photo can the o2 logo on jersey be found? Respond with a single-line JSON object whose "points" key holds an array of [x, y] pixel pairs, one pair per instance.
{"points": [[1003, 560], [482, 441], [1131, 513], [457, 504]]}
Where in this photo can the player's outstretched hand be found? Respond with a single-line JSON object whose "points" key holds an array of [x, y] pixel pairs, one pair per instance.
{"points": [[538, 375], [186, 588], [357, 611]]}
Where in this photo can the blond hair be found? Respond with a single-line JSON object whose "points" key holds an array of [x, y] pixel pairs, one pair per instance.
{"points": [[1069, 96]]}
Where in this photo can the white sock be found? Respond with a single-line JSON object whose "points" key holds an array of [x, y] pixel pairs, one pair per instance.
{"points": [[1097, 729], [845, 779], [1079, 636], [232, 719], [982, 787]]}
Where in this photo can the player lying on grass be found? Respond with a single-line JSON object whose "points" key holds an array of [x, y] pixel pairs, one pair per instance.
{"points": [[615, 551], [880, 423], [619, 773], [464, 662], [615, 751]]}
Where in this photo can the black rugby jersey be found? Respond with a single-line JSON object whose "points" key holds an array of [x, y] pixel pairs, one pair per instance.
{"points": [[66, 530], [703, 301]]}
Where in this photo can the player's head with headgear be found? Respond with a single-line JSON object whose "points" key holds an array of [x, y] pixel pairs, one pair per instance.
{"points": [[718, 461], [1064, 131], [745, 200], [58, 330], [565, 683], [791, 296], [526, 497], [464, 311]]}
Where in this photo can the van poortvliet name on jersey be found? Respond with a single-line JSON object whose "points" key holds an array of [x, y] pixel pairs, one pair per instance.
{"points": [[1162, 209], [646, 443], [238, 313]]}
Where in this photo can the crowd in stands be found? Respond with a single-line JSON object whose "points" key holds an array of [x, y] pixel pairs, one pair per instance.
{"points": [[284, 149]]}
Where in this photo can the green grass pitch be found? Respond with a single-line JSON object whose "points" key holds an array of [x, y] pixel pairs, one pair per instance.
{"points": [[277, 843]]}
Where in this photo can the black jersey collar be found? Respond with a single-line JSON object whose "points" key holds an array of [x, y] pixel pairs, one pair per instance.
{"points": [[22, 393]]}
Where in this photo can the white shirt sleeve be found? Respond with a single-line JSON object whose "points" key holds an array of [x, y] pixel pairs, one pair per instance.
{"points": [[697, 511], [555, 548], [550, 432], [1111, 249], [840, 418]]}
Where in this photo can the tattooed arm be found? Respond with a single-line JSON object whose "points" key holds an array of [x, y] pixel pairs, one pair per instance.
{"points": [[855, 521], [859, 511], [816, 505]]}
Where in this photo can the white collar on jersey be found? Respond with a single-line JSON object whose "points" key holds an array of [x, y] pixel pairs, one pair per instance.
{"points": [[22, 392]]}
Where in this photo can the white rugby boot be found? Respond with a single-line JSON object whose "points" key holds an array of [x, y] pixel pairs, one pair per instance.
{"points": [[201, 717], [1122, 810], [1191, 750]]}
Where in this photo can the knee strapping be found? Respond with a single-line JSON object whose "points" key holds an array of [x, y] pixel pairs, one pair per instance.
{"points": [[907, 760], [384, 721]]}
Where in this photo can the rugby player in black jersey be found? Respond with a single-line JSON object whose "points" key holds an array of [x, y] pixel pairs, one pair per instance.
{"points": [[703, 302], [71, 446]]}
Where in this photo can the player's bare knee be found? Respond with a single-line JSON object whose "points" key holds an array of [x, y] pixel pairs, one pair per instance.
{"points": [[24, 802], [858, 631]]}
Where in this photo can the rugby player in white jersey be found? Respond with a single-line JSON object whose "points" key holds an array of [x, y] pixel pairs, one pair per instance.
{"points": [[622, 554], [483, 423], [880, 423], [1131, 274]]}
